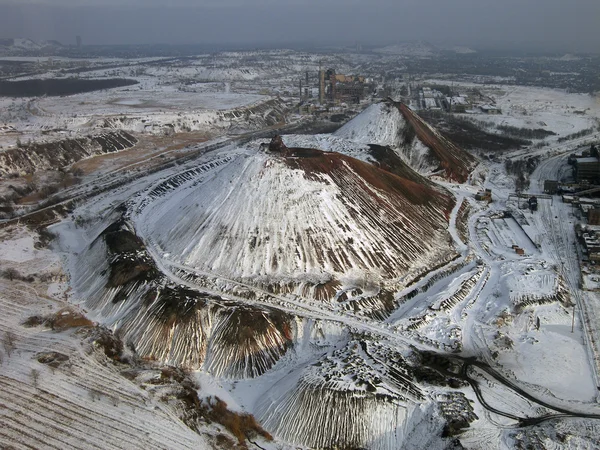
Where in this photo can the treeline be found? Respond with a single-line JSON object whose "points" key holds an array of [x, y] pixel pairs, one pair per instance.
{"points": [[521, 169], [59, 86], [526, 166], [525, 133], [577, 135], [471, 133]]}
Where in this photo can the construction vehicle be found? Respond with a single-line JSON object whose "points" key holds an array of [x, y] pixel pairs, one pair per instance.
{"points": [[484, 196], [533, 203]]}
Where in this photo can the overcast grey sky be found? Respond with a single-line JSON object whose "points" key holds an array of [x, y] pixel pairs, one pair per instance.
{"points": [[564, 25]]}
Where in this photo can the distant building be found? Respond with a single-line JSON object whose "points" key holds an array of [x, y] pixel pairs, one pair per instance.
{"points": [[550, 187], [427, 92], [458, 104], [488, 109], [587, 169], [78, 41], [591, 242], [594, 216], [321, 86], [337, 88], [588, 236]]}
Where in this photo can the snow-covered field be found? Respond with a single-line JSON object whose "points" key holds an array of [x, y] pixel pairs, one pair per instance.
{"points": [[204, 93], [146, 109], [150, 99]]}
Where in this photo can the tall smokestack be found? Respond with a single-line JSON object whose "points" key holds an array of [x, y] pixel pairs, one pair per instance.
{"points": [[321, 85]]}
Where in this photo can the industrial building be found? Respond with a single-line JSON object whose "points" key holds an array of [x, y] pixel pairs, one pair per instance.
{"points": [[489, 109], [551, 187], [589, 238], [337, 88], [594, 215], [587, 169]]}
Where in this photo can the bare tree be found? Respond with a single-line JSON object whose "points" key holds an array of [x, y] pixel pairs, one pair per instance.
{"points": [[48, 190], [521, 182], [63, 176], [9, 342], [35, 376], [11, 273], [31, 186]]}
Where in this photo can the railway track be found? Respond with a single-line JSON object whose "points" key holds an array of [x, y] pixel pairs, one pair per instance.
{"points": [[562, 244]]}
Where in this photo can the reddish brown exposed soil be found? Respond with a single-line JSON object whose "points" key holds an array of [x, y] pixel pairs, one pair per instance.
{"points": [[410, 212], [456, 163], [315, 162]]}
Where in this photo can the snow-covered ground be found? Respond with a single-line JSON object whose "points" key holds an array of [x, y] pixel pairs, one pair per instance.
{"points": [[81, 401], [205, 93], [146, 107]]}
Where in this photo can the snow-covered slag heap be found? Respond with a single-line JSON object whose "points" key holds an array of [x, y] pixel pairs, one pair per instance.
{"points": [[170, 323], [419, 144], [360, 396], [298, 218], [303, 221], [175, 272]]}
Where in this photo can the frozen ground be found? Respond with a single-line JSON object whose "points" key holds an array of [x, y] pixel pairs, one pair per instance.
{"points": [[83, 403]]}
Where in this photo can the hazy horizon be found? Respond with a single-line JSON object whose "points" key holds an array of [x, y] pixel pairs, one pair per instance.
{"points": [[541, 25]]}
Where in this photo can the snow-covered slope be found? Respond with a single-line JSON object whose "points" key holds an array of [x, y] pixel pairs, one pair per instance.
{"points": [[416, 142], [24, 45], [454, 163], [370, 408], [295, 219], [58, 387], [51, 155], [381, 123], [167, 322]]}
